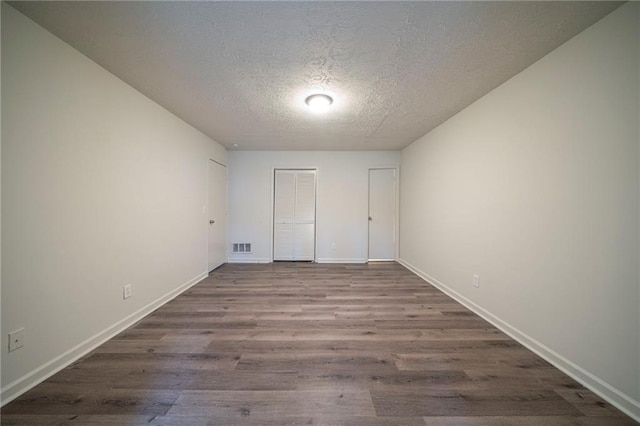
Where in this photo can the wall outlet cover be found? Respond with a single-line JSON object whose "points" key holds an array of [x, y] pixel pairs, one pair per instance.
{"points": [[16, 339]]}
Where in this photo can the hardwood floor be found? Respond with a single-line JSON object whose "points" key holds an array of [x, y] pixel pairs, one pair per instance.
{"points": [[301, 344]]}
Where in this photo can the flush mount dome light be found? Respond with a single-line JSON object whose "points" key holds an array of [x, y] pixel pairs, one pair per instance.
{"points": [[319, 102]]}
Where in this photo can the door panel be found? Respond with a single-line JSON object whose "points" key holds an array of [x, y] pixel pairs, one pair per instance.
{"points": [[217, 215], [283, 241], [284, 202], [304, 241], [382, 215], [305, 197]]}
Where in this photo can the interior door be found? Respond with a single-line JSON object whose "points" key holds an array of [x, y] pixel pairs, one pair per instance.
{"points": [[284, 215], [294, 215], [382, 214], [217, 215], [305, 215]]}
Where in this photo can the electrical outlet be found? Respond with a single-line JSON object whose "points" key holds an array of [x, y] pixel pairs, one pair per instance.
{"points": [[333, 246], [476, 281], [126, 291], [16, 339]]}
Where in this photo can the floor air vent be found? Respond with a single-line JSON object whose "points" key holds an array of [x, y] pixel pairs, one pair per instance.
{"points": [[242, 247]]}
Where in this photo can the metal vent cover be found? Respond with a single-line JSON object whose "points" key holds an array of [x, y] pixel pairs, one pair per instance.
{"points": [[241, 247]]}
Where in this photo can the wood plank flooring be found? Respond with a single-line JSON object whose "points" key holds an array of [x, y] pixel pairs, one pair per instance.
{"points": [[302, 344]]}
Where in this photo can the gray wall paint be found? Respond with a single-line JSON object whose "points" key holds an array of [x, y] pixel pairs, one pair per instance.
{"points": [[101, 187], [534, 187]]}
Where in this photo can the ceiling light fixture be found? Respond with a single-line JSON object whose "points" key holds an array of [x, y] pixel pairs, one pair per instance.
{"points": [[319, 102]]}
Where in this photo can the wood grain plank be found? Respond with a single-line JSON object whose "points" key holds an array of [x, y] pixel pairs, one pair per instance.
{"points": [[527, 421], [272, 404], [470, 403]]}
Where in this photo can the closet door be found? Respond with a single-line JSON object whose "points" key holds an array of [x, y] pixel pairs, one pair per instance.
{"points": [[294, 215], [305, 215], [284, 215]]}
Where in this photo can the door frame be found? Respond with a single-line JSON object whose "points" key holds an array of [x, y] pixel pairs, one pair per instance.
{"points": [[396, 216], [272, 179], [206, 213]]}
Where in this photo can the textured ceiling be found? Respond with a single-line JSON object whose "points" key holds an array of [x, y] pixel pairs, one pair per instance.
{"points": [[239, 71]]}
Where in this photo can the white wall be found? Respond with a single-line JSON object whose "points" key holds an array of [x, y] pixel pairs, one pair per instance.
{"points": [[535, 188], [101, 187], [342, 199]]}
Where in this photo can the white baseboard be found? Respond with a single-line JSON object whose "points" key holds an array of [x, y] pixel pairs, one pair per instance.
{"points": [[614, 396], [340, 260], [40, 374], [249, 260], [319, 260]]}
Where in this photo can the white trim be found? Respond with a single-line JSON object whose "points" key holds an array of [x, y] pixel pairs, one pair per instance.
{"points": [[614, 396], [340, 260], [48, 369], [249, 260]]}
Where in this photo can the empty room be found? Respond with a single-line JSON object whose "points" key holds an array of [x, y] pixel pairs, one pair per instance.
{"points": [[327, 213]]}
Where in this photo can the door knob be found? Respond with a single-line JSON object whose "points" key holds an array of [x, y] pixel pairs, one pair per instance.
{"points": [[211, 222]]}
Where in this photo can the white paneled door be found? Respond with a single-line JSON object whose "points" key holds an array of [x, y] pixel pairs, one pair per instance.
{"points": [[294, 215], [382, 214], [217, 215]]}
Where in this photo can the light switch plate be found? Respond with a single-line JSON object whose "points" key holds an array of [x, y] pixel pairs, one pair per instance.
{"points": [[127, 291]]}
